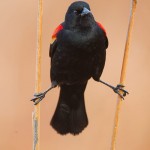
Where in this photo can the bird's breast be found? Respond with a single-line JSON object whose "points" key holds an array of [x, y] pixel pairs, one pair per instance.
{"points": [[85, 41]]}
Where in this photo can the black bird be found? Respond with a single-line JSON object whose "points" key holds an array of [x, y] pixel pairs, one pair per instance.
{"points": [[78, 52]]}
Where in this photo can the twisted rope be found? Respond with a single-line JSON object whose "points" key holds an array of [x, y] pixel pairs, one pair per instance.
{"points": [[36, 112], [123, 73]]}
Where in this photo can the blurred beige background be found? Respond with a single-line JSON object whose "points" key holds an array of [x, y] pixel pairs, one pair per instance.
{"points": [[17, 78]]}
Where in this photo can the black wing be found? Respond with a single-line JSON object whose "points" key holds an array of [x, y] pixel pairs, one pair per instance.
{"points": [[52, 49], [100, 61]]}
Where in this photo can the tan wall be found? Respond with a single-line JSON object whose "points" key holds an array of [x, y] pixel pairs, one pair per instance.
{"points": [[17, 78]]}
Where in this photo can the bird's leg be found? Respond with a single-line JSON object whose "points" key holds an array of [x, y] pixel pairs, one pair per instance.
{"points": [[39, 96], [117, 89]]}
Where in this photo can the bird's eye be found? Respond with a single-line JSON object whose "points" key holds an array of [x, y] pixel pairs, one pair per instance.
{"points": [[76, 12]]}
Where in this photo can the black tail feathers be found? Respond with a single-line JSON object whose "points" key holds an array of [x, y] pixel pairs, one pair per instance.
{"points": [[70, 114]]}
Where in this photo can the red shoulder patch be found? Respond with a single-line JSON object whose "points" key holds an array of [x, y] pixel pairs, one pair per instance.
{"points": [[101, 26], [59, 28]]}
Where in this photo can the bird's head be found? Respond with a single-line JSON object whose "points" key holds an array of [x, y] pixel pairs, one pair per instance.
{"points": [[79, 15]]}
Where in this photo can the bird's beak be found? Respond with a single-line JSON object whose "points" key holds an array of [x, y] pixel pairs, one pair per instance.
{"points": [[85, 11]]}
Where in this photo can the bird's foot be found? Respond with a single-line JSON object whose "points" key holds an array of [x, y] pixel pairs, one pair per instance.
{"points": [[38, 97], [120, 91]]}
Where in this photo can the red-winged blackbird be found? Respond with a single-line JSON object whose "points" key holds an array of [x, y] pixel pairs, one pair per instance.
{"points": [[77, 54]]}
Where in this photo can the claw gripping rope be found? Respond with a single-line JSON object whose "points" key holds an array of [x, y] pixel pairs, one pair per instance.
{"points": [[36, 112], [123, 73]]}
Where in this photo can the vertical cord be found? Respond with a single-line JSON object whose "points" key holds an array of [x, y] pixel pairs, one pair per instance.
{"points": [[36, 112], [123, 73]]}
